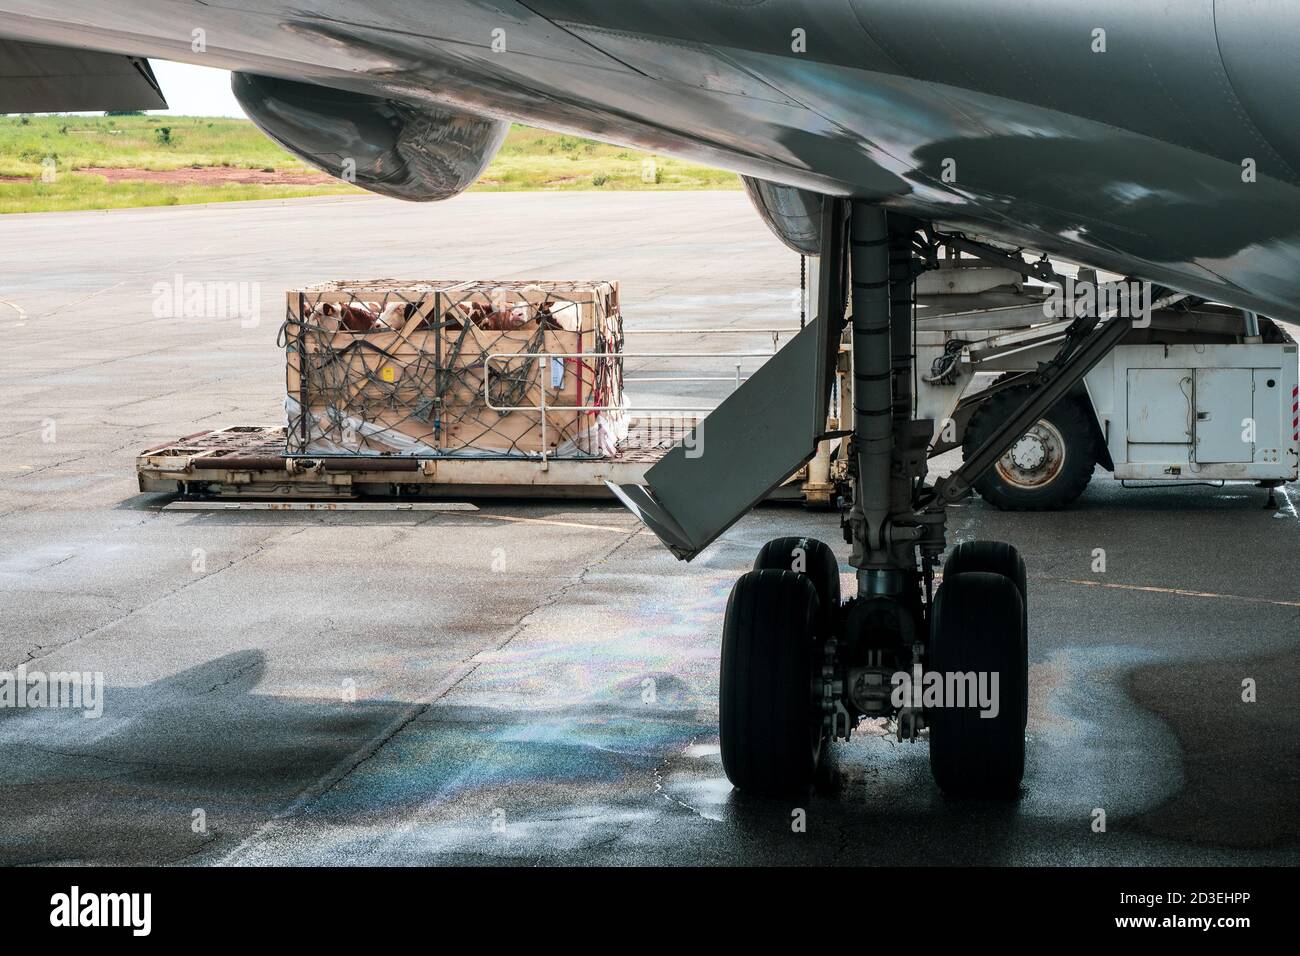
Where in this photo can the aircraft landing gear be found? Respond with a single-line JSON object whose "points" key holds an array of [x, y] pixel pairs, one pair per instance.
{"points": [[799, 671], [800, 668]]}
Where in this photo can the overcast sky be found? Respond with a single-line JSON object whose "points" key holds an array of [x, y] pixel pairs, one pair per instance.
{"points": [[196, 90]]}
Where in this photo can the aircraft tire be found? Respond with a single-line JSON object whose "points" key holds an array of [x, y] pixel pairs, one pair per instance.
{"points": [[771, 726], [817, 562], [996, 557], [976, 626]]}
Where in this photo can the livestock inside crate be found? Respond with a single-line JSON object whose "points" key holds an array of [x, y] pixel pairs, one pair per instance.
{"points": [[455, 369]]}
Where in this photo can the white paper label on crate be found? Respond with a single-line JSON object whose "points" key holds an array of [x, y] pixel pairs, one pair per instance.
{"points": [[557, 373]]}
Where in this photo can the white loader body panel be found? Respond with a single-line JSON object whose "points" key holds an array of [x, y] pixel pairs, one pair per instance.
{"points": [[1194, 411], [1213, 412]]}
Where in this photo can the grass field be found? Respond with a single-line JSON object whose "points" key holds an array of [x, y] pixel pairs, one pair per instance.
{"points": [[43, 161]]}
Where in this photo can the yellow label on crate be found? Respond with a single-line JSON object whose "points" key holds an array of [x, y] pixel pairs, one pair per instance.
{"points": [[388, 373]]}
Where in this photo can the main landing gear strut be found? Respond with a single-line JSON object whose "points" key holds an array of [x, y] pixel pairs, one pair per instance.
{"points": [[800, 666]]}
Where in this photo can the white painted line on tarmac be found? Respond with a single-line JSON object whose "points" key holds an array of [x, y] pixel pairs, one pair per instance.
{"points": [[565, 524], [1180, 592], [1290, 505]]}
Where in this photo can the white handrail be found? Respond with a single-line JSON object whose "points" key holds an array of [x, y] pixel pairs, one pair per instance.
{"points": [[543, 357], [776, 333], [735, 331]]}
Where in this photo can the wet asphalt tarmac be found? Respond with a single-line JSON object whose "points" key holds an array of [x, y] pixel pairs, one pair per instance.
{"points": [[533, 682]]}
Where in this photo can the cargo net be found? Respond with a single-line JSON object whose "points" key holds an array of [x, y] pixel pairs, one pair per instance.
{"points": [[455, 370]]}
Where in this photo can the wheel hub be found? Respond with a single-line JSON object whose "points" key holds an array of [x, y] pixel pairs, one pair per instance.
{"points": [[1036, 459], [1029, 453]]}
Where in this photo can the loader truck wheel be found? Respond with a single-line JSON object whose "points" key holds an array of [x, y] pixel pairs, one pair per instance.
{"points": [[996, 557], [1048, 466], [977, 630], [771, 726]]}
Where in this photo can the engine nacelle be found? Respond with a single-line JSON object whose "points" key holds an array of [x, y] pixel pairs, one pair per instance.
{"points": [[420, 154], [793, 214]]}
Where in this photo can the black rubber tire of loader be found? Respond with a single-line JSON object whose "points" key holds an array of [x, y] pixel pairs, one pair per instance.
{"points": [[1071, 418]]}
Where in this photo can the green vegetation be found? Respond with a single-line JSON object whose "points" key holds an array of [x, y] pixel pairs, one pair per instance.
{"points": [[73, 191], [535, 159], [134, 142], [199, 160], [40, 156]]}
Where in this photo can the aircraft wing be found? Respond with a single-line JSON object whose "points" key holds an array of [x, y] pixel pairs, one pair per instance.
{"points": [[36, 78], [1151, 139]]}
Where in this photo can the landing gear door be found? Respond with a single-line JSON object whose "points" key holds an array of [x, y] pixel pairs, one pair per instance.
{"points": [[761, 435]]}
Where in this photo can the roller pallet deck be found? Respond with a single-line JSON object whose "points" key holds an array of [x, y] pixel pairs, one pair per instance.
{"points": [[244, 463]]}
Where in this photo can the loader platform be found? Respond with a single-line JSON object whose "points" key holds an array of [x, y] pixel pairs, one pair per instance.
{"points": [[250, 463]]}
